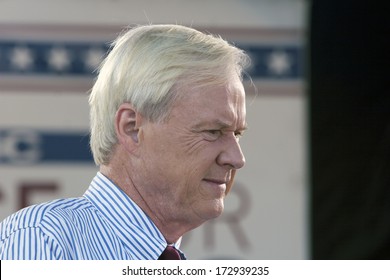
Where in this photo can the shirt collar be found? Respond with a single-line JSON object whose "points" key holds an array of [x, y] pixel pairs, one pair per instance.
{"points": [[134, 228]]}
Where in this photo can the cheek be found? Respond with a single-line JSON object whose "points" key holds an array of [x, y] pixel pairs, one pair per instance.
{"points": [[194, 146], [182, 156]]}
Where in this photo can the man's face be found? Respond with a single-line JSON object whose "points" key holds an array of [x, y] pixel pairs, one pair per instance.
{"points": [[188, 159]]}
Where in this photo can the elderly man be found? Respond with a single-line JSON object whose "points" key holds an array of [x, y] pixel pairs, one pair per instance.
{"points": [[167, 111]]}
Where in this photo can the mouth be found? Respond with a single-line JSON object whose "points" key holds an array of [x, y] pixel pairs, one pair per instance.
{"points": [[217, 186], [216, 181]]}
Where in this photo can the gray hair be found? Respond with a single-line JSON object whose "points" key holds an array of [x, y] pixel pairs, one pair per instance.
{"points": [[146, 66]]}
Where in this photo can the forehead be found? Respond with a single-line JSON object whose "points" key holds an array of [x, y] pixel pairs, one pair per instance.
{"points": [[220, 104]]}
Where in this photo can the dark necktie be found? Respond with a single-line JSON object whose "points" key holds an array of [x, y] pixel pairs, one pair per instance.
{"points": [[171, 253]]}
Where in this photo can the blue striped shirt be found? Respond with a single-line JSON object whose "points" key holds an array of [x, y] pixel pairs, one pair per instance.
{"points": [[103, 224]]}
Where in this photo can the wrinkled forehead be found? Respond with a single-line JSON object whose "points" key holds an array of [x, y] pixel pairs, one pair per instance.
{"points": [[221, 103], [230, 85]]}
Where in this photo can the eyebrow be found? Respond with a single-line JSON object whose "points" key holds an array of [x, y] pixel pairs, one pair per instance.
{"points": [[221, 124]]}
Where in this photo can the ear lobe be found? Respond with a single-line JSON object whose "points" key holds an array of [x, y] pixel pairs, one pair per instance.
{"points": [[127, 121]]}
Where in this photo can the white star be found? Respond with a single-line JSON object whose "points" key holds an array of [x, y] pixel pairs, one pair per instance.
{"points": [[21, 146], [22, 58], [59, 58], [279, 62], [94, 57]]}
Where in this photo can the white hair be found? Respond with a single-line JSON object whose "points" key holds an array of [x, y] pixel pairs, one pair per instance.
{"points": [[145, 67]]}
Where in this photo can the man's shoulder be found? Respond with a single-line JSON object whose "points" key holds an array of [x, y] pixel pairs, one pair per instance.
{"points": [[56, 211]]}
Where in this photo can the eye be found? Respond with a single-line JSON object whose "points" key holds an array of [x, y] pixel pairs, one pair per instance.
{"points": [[212, 134], [215, 132], [238, 134]]}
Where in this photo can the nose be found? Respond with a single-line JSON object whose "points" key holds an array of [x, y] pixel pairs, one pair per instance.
{"points": [[231, 155]]}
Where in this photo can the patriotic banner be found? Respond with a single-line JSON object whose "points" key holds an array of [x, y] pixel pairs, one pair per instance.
{"points": [[80, 59]]}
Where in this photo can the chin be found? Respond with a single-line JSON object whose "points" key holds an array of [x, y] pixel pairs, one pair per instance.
{"points": [[214, 210]]}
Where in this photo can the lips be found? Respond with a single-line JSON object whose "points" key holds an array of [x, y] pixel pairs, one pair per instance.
{"points": [[216, 181], [214, 188]]}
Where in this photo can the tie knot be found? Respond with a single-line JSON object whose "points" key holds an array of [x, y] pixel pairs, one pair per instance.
{"points": [[170, 253]]}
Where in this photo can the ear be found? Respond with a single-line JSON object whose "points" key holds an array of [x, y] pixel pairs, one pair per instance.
{"points": [[127, 123]]}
